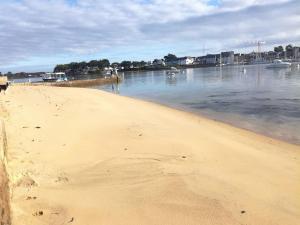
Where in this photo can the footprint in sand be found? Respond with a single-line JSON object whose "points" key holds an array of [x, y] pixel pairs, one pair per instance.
{"points": [[31, 198], [26, 181], [62, 179], [38, 213]]}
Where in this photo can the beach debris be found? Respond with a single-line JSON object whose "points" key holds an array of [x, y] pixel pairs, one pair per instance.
{"points": [[38, 213], [24, 127], [37, 127], [140, 135], [243, 211], [71, 220], [125, 149], [184, 157]]}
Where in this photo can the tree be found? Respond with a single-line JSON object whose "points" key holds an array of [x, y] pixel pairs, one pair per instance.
{"points": [[170, 57], [103, 63], [93, 63], [289, 47], [278, 49], [82, 65], [126, 64], [143, 63], [136, 64], [61, 68], [115, 65]]}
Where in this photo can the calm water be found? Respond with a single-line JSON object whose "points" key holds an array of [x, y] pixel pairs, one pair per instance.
{"points": [[263, 100]]}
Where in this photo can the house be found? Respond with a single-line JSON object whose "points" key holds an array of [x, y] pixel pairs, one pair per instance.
{"points": [[296, 53], [270, 56], [200, 60], [158, 62], [211, 59], [172, 62], [185, 60], [227, 57], [238, 58]]}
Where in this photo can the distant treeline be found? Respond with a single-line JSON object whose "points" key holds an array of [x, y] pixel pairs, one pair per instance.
{"points": [[96, 66]]}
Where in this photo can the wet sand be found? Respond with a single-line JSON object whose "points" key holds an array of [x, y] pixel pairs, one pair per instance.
{"points": [[82, 156]]}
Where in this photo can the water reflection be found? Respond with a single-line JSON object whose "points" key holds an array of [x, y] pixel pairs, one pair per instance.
{"points": [[263, 100]]}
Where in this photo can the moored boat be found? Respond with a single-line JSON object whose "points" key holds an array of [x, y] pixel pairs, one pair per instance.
{"points": [[54, 77], [279, 64]]}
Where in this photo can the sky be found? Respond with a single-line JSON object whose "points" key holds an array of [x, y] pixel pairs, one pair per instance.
{"points": [[36, 35]]}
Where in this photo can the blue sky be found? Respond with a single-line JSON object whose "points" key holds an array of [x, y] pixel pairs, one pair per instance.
{"points": [[38, 34]]}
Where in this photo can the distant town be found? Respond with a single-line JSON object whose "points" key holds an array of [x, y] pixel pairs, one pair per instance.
{"points": [[74, 69]]}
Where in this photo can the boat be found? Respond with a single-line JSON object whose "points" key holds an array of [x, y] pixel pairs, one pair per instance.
{"points": [[279, 64], [172, 71], [54, 77]]}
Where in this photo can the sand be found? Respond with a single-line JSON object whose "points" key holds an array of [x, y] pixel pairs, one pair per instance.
{"points": [[83, 156]]}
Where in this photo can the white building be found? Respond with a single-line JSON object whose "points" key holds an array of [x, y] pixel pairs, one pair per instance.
{"points": [[185, 60]]}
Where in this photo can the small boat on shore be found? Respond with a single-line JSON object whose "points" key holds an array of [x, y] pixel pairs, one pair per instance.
{"points": [[54, 77], [279, 64]]}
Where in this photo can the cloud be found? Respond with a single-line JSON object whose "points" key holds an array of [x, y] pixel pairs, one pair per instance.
{"points": [[231, 29], [44, 32]]}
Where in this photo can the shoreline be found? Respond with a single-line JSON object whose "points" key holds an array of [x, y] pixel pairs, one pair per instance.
{"points": [[213, 119], [74, 83], [89, 156]]}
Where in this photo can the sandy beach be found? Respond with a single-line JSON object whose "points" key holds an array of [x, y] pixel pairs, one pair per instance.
{"points": [[87, 157]]}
